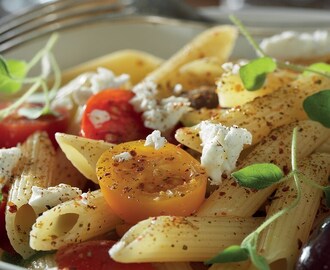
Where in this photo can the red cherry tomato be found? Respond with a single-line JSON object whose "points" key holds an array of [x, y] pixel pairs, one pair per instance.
{"points": [[92, 255], [16, 129], [121, 122], [4, 241]]}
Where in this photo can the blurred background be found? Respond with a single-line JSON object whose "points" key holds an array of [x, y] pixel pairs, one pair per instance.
{"points": [[18, 6]]}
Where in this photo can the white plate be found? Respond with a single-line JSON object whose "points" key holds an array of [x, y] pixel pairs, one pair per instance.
{"points": [[158, 36], [272, 16]]}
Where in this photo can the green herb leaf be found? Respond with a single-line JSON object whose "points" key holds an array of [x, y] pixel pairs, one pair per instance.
{"points": [[1, 197], [15, 70], [253, 74], [231, 254], [326, 191], [258, 176], [317, 107], [318, 67]]}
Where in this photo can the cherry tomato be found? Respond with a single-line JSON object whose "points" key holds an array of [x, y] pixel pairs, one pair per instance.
{"points": [[16, 129], [121, 122], [4, 241], [92, 255], [167, 181]]}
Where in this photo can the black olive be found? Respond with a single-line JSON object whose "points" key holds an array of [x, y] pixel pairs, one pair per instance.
{"points": [[203, 97], [316, 254]]}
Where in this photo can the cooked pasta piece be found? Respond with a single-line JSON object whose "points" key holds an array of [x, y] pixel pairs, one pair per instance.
{"points": [[77, 220], [264, 114], [324, 147], [82, 152], [231, 199], [36, 170], [133, 62], [217, 42], [181, 239], [281, 241]]}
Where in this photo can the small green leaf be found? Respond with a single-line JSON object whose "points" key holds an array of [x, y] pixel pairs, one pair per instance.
{"points": [[1, 197], [231, 254], [326, 191], [8, 81], [317, 107], [258, 176], [253, 75], [318, 67]]}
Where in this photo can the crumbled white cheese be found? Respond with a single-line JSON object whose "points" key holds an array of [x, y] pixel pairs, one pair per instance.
{"points": [[45, 198], [85, 85], [178, 88], [221, 148], [155, 139], [161, 114], [8, 160], [294, 45], [124, 156], [233, 68], [98, 117], [105, 78]]}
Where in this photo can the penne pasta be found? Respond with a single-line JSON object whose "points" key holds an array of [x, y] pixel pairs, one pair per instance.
{"points": [[74, 221], [263, 114], [217, 42], [233, 200], [82, 152], [135, 63], [281, 241], [181, 239], [37, 167]]}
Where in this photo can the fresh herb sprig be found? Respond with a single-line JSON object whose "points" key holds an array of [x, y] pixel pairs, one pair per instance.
{"points": [[259, 176], [253, 76], [13, 75]]}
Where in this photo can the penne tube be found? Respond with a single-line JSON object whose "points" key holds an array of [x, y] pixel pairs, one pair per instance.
{"points": [[135, 63], [37, 166], [281, 241], [233, 200], [82, 152], [181, 239], [216, 42], [324, 147], [263, 114], [77, 220]]}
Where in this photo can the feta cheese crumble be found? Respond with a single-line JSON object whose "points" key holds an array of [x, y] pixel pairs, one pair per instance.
{"points": [[161, 114], [155, 139], [98, 117], [45, 198], [294, 45], [124, 156], [221, 148], [8, 160], [233, 68]]}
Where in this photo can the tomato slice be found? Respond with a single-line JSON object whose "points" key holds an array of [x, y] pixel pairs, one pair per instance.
{"points": [[16, 129], [109, 116], [151, 182], [92, 255]]}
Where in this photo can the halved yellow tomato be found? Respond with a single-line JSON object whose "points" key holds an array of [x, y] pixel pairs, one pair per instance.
{"points": [[150, 182]]}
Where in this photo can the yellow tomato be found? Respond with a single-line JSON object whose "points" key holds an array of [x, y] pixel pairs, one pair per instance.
{"points": [[151, 182]]}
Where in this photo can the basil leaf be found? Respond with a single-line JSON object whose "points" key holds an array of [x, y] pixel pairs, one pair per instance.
{"points": [[8, 80], [326, 191], [253, 74], [319, 67], [1, 197], [258, 176], [231, 254], [317, 107]]}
